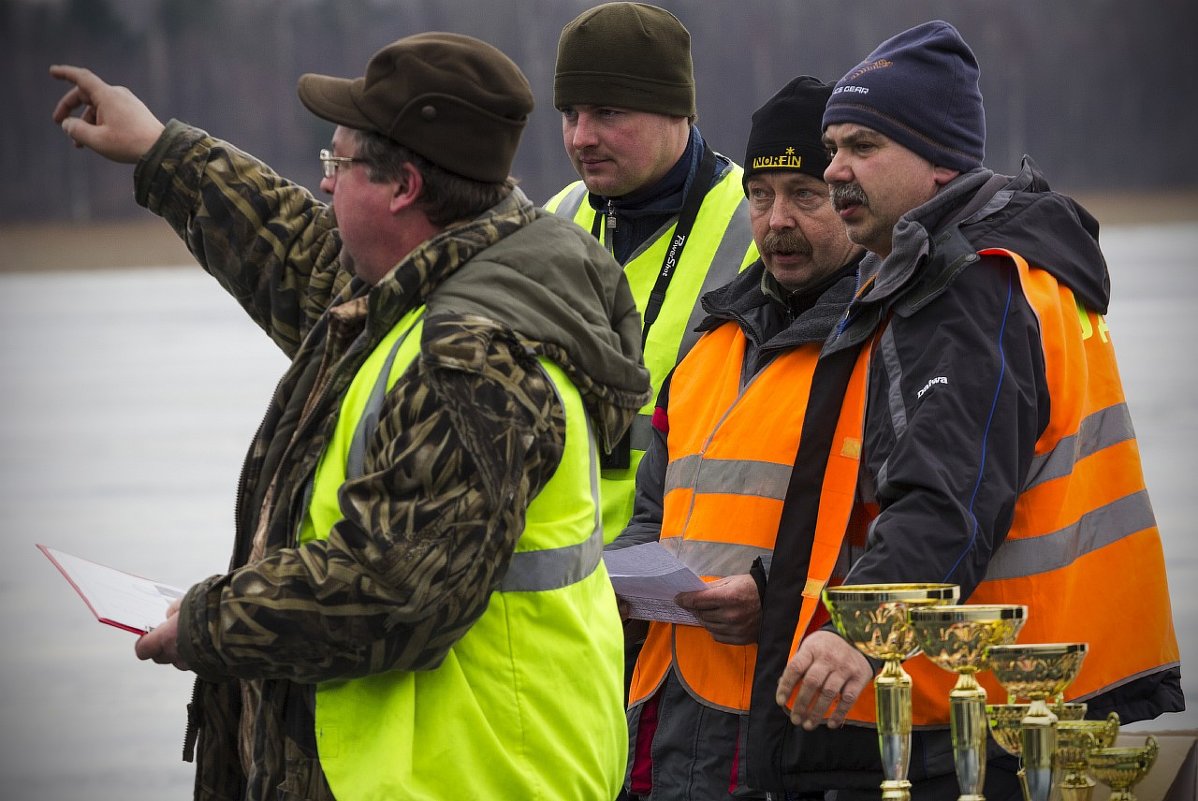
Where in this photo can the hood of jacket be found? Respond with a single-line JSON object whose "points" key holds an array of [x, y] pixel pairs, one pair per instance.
{"points": [[565, 298], [980, 209]]}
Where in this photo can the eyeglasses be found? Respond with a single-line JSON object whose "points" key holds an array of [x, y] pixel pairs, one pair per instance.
{"points": [[330, 163]]}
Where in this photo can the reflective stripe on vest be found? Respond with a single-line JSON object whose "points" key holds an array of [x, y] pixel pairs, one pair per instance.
{"points": [[513, 677], [1083, 551], [731, 455], [720, 246]]}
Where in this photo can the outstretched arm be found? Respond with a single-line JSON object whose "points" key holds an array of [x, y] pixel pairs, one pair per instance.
{"points": [[114, 122]]}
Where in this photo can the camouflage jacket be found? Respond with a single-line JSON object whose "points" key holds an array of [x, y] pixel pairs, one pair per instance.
{"points": [[467, 436]]}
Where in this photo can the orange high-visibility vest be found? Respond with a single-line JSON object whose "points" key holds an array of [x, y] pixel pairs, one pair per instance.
{"points": [[731, 454], [1083, 551]]}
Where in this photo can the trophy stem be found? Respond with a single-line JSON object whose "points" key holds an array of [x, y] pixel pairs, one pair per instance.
{"points": [[1077, 788], [892, 689], [967, 710], [1039, 745]]}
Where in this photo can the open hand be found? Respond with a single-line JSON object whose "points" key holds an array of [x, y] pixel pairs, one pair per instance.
{"points": [[829, 674]]}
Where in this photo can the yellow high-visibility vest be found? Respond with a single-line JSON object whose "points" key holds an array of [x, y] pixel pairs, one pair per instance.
{"points": [[529, 703], [720, 246]]}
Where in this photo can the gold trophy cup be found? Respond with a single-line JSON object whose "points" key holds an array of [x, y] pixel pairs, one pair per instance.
{"points": [[873, 617], [1006, 720], [1075, 740], [1037, 671], [1121, 768], [956, 639]]}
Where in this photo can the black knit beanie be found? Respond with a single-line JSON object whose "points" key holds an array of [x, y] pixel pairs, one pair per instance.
{"points": [[786, 133], [920, 88], [626, 55]]}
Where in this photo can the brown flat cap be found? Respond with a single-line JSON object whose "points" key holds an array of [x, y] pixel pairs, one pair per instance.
{"points": [[454, 99]]}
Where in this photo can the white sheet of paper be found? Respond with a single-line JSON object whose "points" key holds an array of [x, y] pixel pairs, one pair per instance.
{"points": [[117, 598], [647, 577]]}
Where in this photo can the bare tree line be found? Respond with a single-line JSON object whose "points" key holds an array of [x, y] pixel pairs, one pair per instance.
{"points": [[1099, 92]]}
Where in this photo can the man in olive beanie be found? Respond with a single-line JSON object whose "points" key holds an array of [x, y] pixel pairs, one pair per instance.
{"points": [[688, 717], [659, 198], [980, 303], [458, 357]]}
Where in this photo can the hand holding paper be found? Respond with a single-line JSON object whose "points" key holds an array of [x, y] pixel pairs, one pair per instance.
{"points": [[117, 598], [647, 577]]}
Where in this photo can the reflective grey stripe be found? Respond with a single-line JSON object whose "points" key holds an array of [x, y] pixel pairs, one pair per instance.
{"points": [[716, 558], [729, 477], [640, 434], [1096, 529], [894, 376], [572, 202], [355, 463], [725, 265], [894, 400], [554, 568], [1100, 430], [528, 571]]}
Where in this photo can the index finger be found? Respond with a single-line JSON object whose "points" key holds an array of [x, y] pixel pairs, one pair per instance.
{"points": [[87, 83], [78, 95], [80, 76]]}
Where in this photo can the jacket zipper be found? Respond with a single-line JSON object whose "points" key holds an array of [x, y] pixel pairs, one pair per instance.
{"points": [[609, 219]]}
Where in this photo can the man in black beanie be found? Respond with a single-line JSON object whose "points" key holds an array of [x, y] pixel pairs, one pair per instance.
{"points": [[712, 486], [998, 453], [660, 198]]}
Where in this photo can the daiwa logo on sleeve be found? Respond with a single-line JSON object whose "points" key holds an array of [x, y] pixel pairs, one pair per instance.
{"points": [[931, 383]]}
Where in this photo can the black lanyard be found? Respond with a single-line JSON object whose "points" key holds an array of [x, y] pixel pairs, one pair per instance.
{"points": [[620, 456], [682, 231]]}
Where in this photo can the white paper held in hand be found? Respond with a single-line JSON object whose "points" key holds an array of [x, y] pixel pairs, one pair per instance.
{"points": [[647, 577], [115, 597]]}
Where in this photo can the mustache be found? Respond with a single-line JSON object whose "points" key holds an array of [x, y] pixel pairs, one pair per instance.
{"points": [[791, 242], [845, 195]]}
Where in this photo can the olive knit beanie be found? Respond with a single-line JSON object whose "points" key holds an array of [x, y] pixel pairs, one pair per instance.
{"points": [[920, 88], [626, 55]]}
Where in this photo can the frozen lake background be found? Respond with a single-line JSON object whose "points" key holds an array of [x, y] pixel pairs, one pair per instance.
{"points": [[129, 397]]}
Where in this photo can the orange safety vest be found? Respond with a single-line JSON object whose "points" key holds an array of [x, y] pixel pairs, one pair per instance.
{"points": [[731, 453], [1083, 551]]}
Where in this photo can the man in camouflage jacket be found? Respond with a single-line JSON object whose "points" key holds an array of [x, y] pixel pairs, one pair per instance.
{"points": [[465, 439]]}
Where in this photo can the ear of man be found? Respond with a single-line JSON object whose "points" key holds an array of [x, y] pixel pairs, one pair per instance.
{"points": [[409, 186]]}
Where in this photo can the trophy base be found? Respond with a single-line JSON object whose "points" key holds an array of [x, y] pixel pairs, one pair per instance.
{"points": [[1080, 789], [896, 790]]}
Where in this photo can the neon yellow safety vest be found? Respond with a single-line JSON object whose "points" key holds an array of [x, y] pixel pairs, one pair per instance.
{"points": [[720, 246], [529, 703]]}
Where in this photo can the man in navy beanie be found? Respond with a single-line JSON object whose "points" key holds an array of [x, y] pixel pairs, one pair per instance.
{"points": [[997, 452]]}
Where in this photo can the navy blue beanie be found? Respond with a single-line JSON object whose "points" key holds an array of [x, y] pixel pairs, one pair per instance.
{"points": [[920, 88]]}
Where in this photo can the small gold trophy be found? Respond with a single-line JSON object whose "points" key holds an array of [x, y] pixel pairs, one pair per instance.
{"points": [[1121, 768], [1037, 671], [1075, 740], [873, 617], [1006, 720], [957, 639]]}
